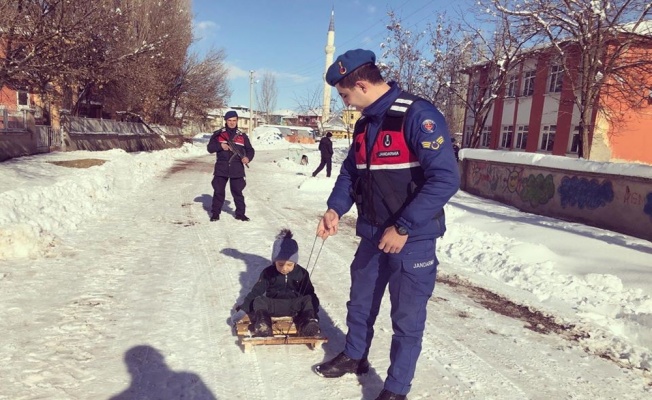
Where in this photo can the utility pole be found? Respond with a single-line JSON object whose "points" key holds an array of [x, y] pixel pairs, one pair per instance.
{"points": [[251, 97]]}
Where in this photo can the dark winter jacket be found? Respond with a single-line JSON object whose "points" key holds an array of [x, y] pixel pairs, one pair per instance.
{"points": [[427, 137], [275, 285], [228, 163], [326, 148]]}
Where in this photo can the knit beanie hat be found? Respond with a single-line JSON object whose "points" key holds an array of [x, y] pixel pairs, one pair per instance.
{"points": [[285, 248], [230, 114]]}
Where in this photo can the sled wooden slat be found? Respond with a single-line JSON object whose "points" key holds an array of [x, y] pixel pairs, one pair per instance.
{"points": [[312, 342], [280, 326]]}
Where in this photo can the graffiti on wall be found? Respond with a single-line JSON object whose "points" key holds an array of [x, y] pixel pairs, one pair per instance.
{"points": [[585, 193], [632, 198], [487, 174], [648, 205], [537, 189], [619, 203], [533, 189]]}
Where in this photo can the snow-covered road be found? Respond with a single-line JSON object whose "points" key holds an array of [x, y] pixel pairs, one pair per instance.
{"points": [[136, 303]]}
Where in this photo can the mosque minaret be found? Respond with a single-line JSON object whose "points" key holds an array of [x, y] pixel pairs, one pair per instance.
{"points": [[330, 50]]}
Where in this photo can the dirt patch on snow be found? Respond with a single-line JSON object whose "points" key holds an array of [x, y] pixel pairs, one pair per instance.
{"points": [[81, 163], [534, 320]]}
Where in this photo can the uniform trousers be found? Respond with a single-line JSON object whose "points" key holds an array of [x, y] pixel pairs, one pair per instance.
{"points": [[411, 276], [237, 185]]}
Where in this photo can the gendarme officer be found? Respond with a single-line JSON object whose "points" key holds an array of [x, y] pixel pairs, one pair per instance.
{"points": [[233, 151], [399, 172]]}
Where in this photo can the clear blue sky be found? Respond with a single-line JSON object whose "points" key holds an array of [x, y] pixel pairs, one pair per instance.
{"points": [[287, 37]]}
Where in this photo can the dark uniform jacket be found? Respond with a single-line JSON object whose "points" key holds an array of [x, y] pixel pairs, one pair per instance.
{"points": [[326, 148], [275, 285], [228, 163], [411, 164]]}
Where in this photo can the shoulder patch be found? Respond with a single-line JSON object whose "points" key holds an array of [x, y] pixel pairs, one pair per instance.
{"points": [[428, 126]]}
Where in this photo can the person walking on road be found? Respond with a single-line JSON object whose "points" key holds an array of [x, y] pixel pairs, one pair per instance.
{"points": [[233, 151], [326, 150]]}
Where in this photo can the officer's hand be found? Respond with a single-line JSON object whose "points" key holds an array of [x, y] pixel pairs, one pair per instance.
{"points": [[225, 146], [245, 160], [391, 241], [328, 224]]}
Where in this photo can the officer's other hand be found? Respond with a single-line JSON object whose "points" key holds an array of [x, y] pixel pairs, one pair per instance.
{"points": [[391, 241], [245, 160], [328, 224], [225, 146]]}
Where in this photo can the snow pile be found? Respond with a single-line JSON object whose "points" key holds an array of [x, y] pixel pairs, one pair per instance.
{"points": [[33, 216], [267, 135]]}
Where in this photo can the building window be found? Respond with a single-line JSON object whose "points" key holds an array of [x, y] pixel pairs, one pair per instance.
{"points": [[556, 78], [511, 86], [475, 92], [548, 137], [574, 145], [466, 141], [506, 136], [23, 99], [528, 83], [521, 137], [485, 138]]}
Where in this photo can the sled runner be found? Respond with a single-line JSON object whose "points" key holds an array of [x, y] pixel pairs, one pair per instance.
{"points": [[285, 332]]}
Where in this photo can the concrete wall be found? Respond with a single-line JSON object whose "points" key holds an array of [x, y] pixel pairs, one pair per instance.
{"points": [[17, 145], [615, 202], [129, 143]]}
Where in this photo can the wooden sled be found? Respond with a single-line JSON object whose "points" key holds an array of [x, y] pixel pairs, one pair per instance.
{"points": [[285, 332]]}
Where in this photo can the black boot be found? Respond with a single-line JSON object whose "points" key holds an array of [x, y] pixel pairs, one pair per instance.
{"points": [[387, 395], [241, 217], [215, 217], [341, 365], [307, 323], [262, 324]]}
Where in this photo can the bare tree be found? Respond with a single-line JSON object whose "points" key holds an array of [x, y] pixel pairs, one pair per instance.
{"points": [[143, 84], [125, 54], [604, 46], [402, 56], [267, 95], [42, 41], [311, 104], [431, 63], [200, 86], [497, 55]]}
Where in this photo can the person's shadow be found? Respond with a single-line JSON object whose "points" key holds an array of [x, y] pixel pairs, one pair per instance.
{"points": [[255, 264], [152, 379], [371, 383], [206, 201]]}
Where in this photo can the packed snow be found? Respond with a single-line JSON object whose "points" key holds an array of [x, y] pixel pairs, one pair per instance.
{"points": [[114, 284]]}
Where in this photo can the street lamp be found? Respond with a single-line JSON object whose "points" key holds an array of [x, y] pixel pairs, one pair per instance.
{"points": [[251, 97]]}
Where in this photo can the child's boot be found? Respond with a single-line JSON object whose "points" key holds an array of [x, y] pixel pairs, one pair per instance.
{"points": [[308, 324], [262, 324]]}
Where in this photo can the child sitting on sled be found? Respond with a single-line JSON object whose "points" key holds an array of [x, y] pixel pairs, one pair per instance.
{"points": [[283, 289]]}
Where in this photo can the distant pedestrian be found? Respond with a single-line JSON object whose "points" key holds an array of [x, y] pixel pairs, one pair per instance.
{"points": [[326, 150], [456, 149], [233, 151]]}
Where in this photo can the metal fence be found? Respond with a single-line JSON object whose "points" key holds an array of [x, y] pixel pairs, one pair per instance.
{"points": [[13, 121], [44, 138], [87, 126]]}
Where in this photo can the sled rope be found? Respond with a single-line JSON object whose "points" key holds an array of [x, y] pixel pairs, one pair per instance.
{"points": [[303, 286]]}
